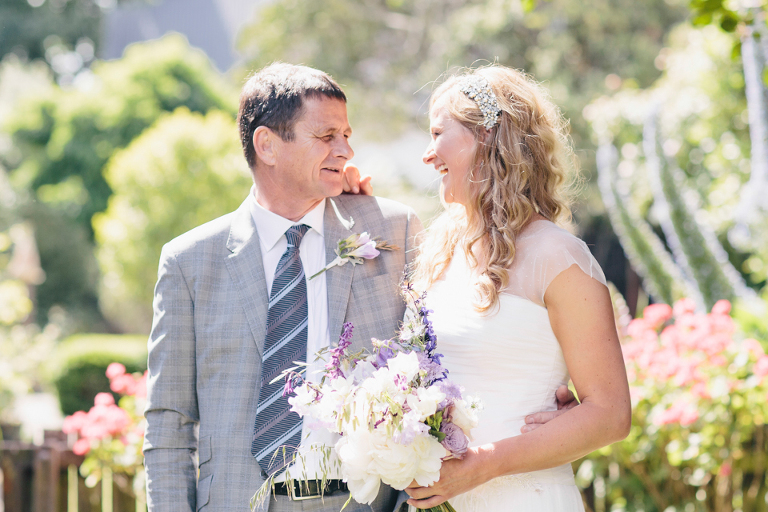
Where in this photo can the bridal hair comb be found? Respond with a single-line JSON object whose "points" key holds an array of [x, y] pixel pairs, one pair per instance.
{"points": [[479, 90]]}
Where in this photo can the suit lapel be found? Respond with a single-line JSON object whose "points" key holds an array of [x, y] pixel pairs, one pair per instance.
{"points": [[336, 225], [247, 272]]}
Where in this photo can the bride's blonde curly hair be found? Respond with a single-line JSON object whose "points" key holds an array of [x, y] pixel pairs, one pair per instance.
{"points": [[523, 165]]}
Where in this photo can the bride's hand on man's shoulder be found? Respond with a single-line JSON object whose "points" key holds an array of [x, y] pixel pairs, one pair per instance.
{"points": [[566, 401], [354, 183]]}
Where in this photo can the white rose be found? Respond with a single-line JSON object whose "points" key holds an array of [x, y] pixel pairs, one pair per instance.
{"points": [[463, 416]]}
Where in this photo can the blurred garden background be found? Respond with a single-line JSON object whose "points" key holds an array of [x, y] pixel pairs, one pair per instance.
{"points": [[117, 133]]}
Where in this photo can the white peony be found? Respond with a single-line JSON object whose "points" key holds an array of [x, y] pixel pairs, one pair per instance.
{"points": [[400, 464], [355, 453]]}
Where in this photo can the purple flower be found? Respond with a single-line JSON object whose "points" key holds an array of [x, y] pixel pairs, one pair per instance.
{"points": [[291, 380], [345, 340], [452, 392], [367, 251], [382, 356], [455, 440], [435, 372]]}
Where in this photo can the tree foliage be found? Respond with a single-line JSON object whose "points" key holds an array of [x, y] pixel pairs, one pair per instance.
{"points": [[387, 53], [65, 138], [184, 171], [698, 156]]}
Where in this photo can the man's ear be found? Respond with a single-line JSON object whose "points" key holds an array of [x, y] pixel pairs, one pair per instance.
{"points": [[265, 144]]}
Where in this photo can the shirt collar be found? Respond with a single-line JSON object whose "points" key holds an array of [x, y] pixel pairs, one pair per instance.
{"points": [[272, 226]]}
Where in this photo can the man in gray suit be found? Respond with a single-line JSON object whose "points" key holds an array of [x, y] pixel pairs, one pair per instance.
{"points": [[232, 299]]}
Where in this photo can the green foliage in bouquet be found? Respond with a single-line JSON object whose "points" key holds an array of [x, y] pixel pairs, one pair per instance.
{"points": [[699, 438], [79, 364], [184, 171]]}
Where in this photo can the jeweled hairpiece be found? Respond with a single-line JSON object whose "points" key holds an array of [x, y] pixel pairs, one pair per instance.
{"points": [[479, 90]]}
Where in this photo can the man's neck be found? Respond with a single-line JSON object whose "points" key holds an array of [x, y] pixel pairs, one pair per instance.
{"points": [[285, 208]]}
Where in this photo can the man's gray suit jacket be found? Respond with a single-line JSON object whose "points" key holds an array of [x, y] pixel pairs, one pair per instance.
{"points": [[210, 314]]}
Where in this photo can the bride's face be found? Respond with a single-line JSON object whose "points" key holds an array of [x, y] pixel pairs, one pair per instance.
{"points": [[451, 152]]}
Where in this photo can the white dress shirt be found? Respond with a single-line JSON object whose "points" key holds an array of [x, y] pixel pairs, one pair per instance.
{"points": [[271, 228]]}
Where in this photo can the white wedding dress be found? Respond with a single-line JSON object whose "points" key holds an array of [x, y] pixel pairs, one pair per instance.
{"points": [[511, 360]]}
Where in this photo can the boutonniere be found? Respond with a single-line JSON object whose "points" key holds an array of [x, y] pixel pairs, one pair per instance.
{"points": [[356, 248]]}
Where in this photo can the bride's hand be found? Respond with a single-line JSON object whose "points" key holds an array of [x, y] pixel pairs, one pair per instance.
{"points": [[457, 476], [354, 182]]}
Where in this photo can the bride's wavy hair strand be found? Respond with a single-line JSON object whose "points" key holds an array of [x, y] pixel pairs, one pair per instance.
{"points": [[523, 165]]}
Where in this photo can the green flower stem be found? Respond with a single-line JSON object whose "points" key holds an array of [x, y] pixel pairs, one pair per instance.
{"points": [[443, 507]]}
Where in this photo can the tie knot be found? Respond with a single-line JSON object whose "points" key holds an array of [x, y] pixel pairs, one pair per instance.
{"points": [[295, 234]]}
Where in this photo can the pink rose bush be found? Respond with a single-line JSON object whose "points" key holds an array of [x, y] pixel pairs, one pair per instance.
{"points": [[112, 434], [699, 391]]}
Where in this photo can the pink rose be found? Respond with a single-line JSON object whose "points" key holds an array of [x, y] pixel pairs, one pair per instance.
{"points": [[94, 429], [75, 422], [721, 307], [753, 347], [680, 412], [81, 447], [640, 328], [761, 367], [141, 386], [124, 384], [104, 399], [684, 306], [115, 370], [657, 314], [689, 416]]}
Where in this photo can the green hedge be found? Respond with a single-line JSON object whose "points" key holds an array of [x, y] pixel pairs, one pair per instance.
{"points": [[79, 364]]}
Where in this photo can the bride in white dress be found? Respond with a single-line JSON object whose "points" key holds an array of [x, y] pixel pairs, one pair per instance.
{"points": [[520, 305]]}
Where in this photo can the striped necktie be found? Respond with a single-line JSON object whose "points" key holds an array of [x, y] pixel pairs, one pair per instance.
{"points": [[285, 342]]}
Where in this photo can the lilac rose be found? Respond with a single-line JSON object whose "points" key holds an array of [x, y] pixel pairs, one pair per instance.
{"points": [[455, 440]]}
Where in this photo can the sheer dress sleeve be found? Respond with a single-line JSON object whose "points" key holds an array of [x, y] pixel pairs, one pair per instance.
{"points": [[542, 251]]}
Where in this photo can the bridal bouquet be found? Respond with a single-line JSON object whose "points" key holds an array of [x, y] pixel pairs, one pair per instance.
{"points": [[398, 414]]}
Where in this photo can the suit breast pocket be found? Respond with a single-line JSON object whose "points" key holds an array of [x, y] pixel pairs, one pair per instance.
{"points": [[375, 306], [374, 289]]}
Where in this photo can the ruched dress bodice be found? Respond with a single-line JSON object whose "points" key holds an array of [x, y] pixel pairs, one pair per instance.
{"points": [[511, 360]]}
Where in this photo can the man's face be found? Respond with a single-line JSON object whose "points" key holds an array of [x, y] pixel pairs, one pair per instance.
{"points": [[310, 167]]}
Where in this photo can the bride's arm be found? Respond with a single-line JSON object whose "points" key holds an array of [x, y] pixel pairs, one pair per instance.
{"points": [[581, 315]]}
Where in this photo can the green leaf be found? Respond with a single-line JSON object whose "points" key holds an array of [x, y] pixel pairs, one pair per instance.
{"points": [[729, 21], [528, 5], [702, 20]]}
